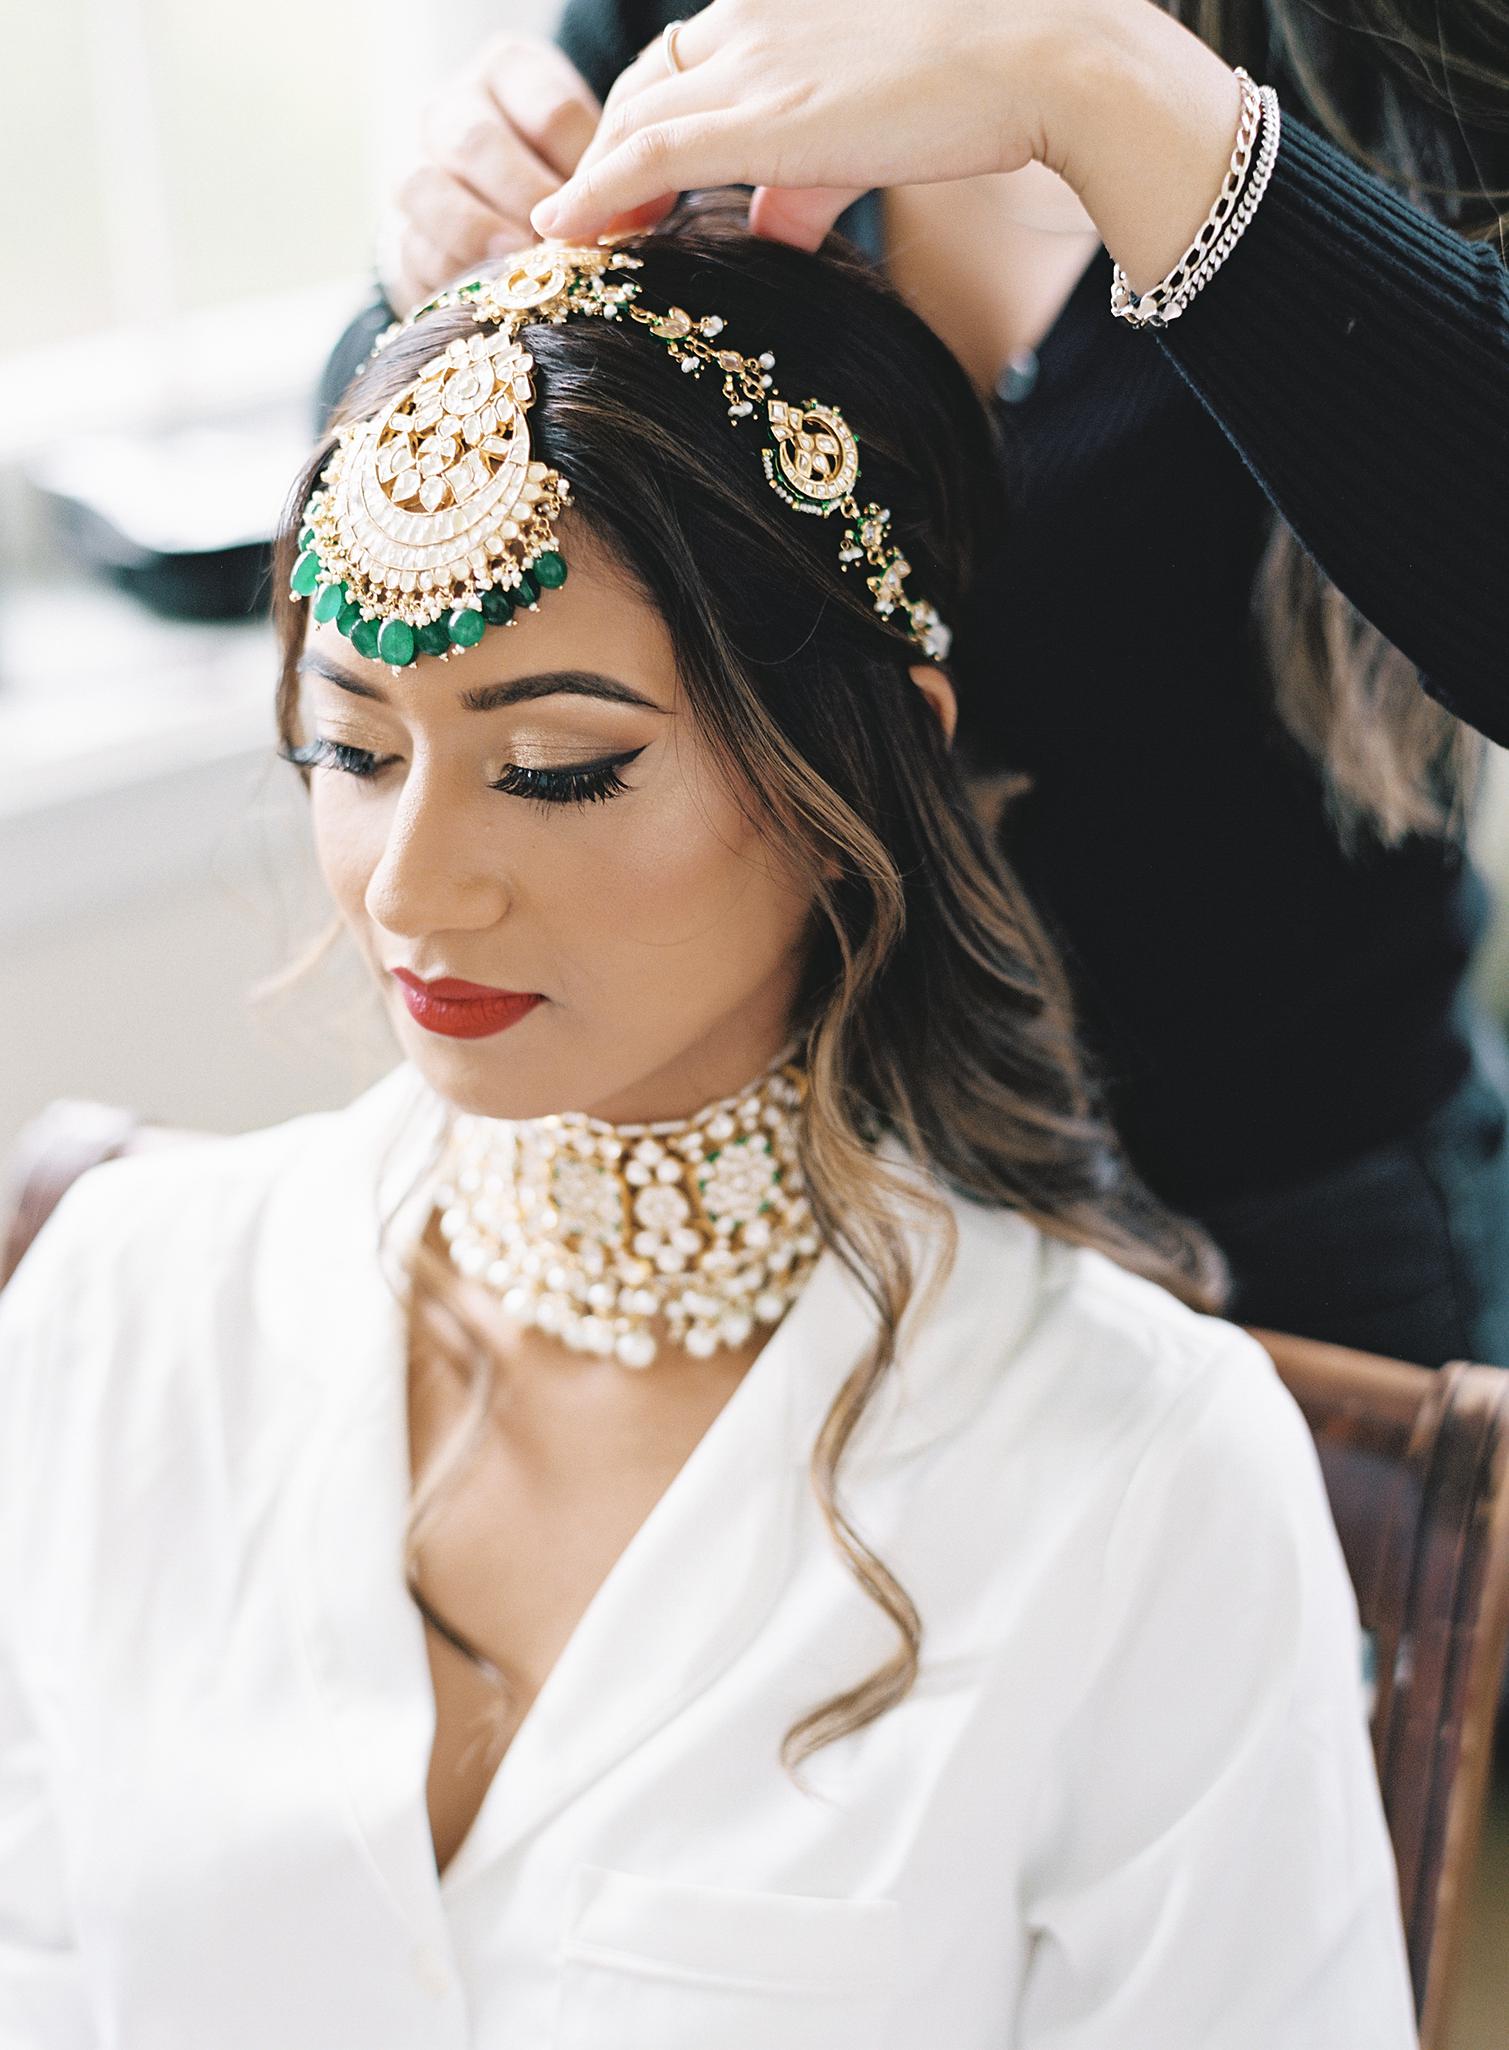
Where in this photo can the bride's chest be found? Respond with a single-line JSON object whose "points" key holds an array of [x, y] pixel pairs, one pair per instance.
{"points": [[519, 1540]]}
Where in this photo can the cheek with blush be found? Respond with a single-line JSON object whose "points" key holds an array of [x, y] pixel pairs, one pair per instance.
{"points": [[681, 912]]}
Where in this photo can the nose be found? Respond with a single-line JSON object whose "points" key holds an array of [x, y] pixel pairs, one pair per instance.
{"points": [[439, 869]]}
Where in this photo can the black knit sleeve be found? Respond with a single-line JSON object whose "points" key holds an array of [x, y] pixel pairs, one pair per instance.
{"points": [[1356, 353]]}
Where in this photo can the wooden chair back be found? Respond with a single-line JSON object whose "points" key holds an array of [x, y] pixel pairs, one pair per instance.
{"points": [[1416, 1465]]}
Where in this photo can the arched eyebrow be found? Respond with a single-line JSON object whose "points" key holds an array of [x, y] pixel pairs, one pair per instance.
{"points": [[487, 697]]}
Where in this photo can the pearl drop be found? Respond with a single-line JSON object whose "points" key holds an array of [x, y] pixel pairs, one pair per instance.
{"points": [[769, 1307], [635, 1348], [701, 1342], [735, 1327]]}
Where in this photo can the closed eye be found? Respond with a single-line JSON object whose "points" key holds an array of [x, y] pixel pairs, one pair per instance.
{"points": [[580, 783]]}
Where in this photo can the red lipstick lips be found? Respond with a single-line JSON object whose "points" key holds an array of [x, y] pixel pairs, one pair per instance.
{"points": [[463, 1010]]}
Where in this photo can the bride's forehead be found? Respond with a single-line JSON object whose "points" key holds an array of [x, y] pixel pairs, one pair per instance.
{"points": [[483, 680]]}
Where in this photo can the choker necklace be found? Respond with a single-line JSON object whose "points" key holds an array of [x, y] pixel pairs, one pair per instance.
{"points": [[593, 1232]]}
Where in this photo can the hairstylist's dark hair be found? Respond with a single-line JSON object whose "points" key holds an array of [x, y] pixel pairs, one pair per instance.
{"points": [[932, 1007], [1416, 91]]}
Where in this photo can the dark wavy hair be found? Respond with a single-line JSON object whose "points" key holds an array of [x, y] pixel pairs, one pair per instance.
{"points": [[932, 1006]]}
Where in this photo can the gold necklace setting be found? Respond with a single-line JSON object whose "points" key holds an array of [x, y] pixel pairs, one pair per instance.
{"points": [[599, 1234]]}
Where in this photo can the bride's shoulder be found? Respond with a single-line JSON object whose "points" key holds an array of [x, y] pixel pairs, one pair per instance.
{"points": [[1097, 1352], [190, 1208]]}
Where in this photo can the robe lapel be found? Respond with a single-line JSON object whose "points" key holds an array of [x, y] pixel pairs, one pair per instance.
{"points": [[689, 1591], [695, 1582]]}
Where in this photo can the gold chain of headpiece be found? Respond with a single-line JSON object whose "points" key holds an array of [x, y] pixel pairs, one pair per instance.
{"points": [[403, 581]]}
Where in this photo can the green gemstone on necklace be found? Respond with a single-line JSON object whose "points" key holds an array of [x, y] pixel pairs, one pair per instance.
{"points": [[526, 591], [329, 601], [497, 604], [347, 617], [434, 637], [306, 574], [549, 570], [395, 643], [467, 627], [306, 539], [364, 637]]}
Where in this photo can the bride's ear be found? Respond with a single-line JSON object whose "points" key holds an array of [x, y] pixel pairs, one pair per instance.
{"points": [[939, 692]]}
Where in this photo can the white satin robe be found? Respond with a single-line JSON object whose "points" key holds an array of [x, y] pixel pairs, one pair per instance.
{"points": [[1129, 1804]]}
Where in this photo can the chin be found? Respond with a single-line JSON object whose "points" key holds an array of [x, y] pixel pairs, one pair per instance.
{"points": [[494, 1077]]}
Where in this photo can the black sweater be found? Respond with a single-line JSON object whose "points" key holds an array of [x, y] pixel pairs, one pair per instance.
{"points": [[1262, 1003]]}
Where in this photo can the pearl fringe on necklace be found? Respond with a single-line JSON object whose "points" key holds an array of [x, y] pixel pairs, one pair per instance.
{"points": [[596, 1232]]}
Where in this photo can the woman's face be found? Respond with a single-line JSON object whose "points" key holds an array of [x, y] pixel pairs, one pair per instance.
{"points": [[614, 877]]}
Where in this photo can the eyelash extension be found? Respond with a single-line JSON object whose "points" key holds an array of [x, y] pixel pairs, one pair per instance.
{"points": [[592, 783]]}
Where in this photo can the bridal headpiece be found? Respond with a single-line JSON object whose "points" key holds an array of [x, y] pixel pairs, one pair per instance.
{"points": [[434, 521]]}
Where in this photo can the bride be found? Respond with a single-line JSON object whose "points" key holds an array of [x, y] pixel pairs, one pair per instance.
{"points": [[706, 1507]]}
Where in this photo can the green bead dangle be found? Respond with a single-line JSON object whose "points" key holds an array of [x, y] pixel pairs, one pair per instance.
{"points": [[329, 602], [395, 643], [306, 575], [549, 570], [364, 638]]}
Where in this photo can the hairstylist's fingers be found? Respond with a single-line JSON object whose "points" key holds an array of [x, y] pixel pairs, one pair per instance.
{"points": [[646, 90], [673, 137], [696, 41], [491, 143], [545, 100], [449, 219], [467, 136], [409, 268], [801, 215]]}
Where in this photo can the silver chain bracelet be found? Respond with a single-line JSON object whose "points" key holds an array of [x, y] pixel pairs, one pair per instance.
{"points": [[1223, 226]]}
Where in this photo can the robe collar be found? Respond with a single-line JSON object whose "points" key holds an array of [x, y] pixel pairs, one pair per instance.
{"points": [[695, 1582]]}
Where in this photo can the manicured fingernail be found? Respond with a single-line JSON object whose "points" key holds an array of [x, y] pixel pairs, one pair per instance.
{"points": [[543, 218]]}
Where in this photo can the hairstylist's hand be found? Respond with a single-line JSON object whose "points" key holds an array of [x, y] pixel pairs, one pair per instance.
{"points": [[814, 102], [501, 135]]}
